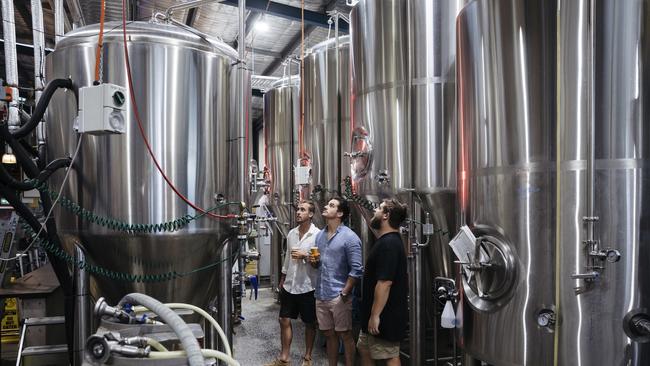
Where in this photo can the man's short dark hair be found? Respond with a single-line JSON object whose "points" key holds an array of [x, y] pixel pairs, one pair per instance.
{"points": [[344, 207], [396, 211], [310, 203]]}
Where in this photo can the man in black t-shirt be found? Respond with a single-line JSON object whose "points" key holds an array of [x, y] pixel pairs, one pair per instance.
{"points": [[384, 311]]}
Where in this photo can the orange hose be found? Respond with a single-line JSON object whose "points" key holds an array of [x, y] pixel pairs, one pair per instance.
{"points": [[302, 80], [100, 40]]}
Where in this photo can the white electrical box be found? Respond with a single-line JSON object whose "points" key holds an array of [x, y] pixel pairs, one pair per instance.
{"points": [[102, 110], [303, 175]]}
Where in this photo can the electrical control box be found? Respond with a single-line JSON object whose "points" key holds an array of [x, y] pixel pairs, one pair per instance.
{"points": [[303, 175], [102, 110]]}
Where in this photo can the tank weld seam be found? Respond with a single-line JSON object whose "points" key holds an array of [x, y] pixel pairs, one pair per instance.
{"points": [[94, 269], [122, 226]]}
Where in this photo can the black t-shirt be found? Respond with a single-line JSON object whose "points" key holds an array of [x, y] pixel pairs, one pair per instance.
{"points": [[387, 262]]}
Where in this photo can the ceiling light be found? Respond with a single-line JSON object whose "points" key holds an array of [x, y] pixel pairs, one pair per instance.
{"points": [[261, 26], [8, 159]]}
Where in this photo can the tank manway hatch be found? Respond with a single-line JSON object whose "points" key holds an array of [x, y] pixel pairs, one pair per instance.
{"points": [[489, 269]]}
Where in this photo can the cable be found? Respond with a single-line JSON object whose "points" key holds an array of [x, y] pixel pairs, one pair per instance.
{"points": [[47, 217], [143, 134], [100, 43]]}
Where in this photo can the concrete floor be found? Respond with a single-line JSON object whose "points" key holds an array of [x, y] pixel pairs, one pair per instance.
{"points": [[257, 338]]}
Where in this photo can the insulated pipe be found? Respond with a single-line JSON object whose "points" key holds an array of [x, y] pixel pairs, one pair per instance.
{"points": [[182, 330], [39, 57], [59, 14], [39, 46], [11, 60]]}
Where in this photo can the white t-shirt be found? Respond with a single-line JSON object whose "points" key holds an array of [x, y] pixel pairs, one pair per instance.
{"points": [[300, 275]]}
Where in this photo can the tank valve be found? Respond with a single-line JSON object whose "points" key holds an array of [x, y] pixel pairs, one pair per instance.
{"points": [[102, 308], [383, 177], [636, 325], [546, 318]]}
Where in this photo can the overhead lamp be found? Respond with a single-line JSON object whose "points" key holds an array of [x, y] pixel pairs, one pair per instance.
{"points": [[261, 26], [8, 157]]}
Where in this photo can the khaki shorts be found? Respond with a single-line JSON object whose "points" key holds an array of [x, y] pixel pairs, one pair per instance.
{"points": [[334, 314], [380, 349]]}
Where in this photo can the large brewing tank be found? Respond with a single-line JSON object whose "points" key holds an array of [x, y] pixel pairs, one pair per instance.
{"points": [[603, 98], [506, 98], [403, 139], [181, 84], [327, 118], [281, 127]]}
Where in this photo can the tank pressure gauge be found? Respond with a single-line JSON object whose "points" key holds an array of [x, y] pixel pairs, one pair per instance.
{"points": [[102, 110]]}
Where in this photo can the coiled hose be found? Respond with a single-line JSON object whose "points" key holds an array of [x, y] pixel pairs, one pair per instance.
{"points": [[182, 330]]}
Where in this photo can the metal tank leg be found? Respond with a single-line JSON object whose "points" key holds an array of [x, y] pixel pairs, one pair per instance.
{"points": [[224, 297], [82, 306], [415, 316]]}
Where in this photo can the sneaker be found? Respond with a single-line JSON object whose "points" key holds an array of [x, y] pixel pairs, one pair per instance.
{"points": [[278, 362], [306, 362]]}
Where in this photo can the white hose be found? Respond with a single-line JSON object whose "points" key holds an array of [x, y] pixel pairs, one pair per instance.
{"points": [[203, 313], [206, 353], [182, 330], [156, 345]]}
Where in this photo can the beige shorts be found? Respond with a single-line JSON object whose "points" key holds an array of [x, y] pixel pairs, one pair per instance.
{"points": [[334, 314], [380, 349]]}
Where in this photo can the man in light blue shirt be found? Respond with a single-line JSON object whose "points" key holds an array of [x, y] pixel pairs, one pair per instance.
{"points": [[339, 264]]}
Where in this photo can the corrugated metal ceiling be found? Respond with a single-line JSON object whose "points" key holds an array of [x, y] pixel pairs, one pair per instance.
{"points": [[266, 49]]}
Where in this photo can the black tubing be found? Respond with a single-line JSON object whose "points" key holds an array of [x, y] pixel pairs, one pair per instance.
{"points": [[39, 111], [7, 179], [60, 267]]}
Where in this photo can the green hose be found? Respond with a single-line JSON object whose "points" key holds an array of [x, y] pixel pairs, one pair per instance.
{"points": [[110, 274], [118, 225]]}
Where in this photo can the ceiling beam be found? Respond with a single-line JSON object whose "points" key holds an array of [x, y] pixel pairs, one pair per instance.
{"points": [[263, 52], [76, 13], [288, 50], [191, 17], [250, 22], [292, 13]]}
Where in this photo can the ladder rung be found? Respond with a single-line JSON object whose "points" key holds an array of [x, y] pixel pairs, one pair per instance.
{"points": [[44, 350], [48, 320]]}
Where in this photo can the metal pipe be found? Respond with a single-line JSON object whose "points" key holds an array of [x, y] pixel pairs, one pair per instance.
{"points": [[590, 221], [82, 306], [415, 288], [189, 5], [59, 20], [339, 119]]}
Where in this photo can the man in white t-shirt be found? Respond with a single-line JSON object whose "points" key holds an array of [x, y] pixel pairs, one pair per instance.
{"points": [[297, 285]]}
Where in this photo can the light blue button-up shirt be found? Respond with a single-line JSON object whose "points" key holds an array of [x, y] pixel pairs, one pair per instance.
{"points": [[340, 258]]}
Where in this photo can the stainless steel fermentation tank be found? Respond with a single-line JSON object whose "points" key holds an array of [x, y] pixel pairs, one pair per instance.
{"points": [[404, 133], [553, 145], [327, 118], [281, 127], [182, 84]]}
